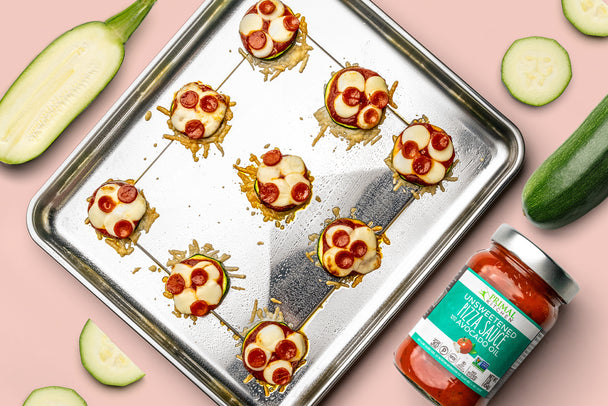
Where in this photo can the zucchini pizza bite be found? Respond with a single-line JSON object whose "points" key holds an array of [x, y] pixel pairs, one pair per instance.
{"points": [[423, 154], [197, 284], [282, 181], [356, 98], [346, 246], [116, 208], [197, 110], [268, 29], [272, 351]]}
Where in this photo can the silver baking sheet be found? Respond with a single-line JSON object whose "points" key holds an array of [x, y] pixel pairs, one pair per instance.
{"points": [[202, 200]]}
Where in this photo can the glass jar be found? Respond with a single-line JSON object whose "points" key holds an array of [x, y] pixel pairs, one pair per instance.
{"points": [[486, 322]]}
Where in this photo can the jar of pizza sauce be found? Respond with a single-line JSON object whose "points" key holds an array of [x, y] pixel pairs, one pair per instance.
{"points": [[486, 322]]}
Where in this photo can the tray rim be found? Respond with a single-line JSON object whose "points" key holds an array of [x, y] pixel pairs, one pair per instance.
{"points": [[386, 315]]}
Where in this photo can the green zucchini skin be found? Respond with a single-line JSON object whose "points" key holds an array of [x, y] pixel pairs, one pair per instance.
{"points": [[574, 179]]}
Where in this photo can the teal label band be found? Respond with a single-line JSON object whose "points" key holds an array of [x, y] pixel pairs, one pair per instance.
{"points": [[476, 333]]}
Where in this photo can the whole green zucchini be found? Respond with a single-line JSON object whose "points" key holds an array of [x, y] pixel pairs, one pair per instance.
{"points": [[574, 179]]}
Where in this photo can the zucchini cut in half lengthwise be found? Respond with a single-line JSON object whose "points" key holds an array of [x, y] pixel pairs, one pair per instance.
{"points": [[61, 81], [54, 395], [588, 16], [536, 70], [104, 360], [574, 179]]}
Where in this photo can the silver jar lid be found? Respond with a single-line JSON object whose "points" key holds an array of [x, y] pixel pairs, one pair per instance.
{"points": [[537, 260]]}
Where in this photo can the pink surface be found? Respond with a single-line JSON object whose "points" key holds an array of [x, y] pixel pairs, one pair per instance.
{"points": [[44, 307]]}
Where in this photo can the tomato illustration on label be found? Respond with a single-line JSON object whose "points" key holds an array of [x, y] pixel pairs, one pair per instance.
{"points": [[464, 346]]}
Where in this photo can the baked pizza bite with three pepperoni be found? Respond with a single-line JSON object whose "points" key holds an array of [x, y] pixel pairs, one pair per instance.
{"points": [[346, 246], [268, 29], [197, 284], [282, 181], [271, 352], [115, 209], [197, 110], [423, 154], [356, 98]]}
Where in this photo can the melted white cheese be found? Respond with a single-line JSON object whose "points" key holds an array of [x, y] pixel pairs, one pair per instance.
{"points": [[443, 155], [269, 336], [132, 212], [210, 292], [273, 366], [211, 121], [251, 347], [361, 123], [435, 174], [417, 133], [374, 84], [278, 11], [184, 300], [350, 78], [300, 342], [344, 110], [251, 23], [266, 50], [401, 164], [278, 32]]}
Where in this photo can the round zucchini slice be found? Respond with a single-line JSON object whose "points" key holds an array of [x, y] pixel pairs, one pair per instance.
{"points": [[536, 70], [588, 16], [54, 395]]}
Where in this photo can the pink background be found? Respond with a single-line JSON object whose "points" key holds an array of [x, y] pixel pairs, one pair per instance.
{"points": [[44, 307]]}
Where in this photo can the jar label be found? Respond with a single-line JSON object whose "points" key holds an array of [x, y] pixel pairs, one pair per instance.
{"points": [[476, 333]]}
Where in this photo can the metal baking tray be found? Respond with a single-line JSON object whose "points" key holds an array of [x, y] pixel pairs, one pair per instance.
{"points": [[202, 200]]}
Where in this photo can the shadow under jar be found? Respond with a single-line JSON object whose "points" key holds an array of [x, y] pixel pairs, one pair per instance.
{"points": [[486, 322]]}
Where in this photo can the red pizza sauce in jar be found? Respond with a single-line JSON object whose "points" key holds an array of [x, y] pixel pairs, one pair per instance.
{"points": [[486, 322]]}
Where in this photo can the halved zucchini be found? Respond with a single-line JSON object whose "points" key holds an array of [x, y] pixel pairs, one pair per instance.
{"points": [[54, 396], [61, 81]]}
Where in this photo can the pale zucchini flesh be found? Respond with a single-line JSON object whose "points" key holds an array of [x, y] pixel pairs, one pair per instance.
{"points": [[588, 16], [54, 396], [104, 360], [55, 88], [536, 70], [61, 81]]}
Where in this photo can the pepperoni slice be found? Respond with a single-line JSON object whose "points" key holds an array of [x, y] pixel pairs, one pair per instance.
{"points": [[371, 116], [188, 99], [191, 261], [269, 192], [345, 259], [199, 308], [106, 204], [440, 141], [410, 149], [175, 284], [300, 192], [199, 277], [256, 358], [209, 103], [422, 164], [379, 99], [351, 96], [256, 40], [195, 129], [358, 248], [281, 376], [272, 157], [127, 193], [266, 7], [286, 349], [291, 23], [123, 228], [340, 238]]}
